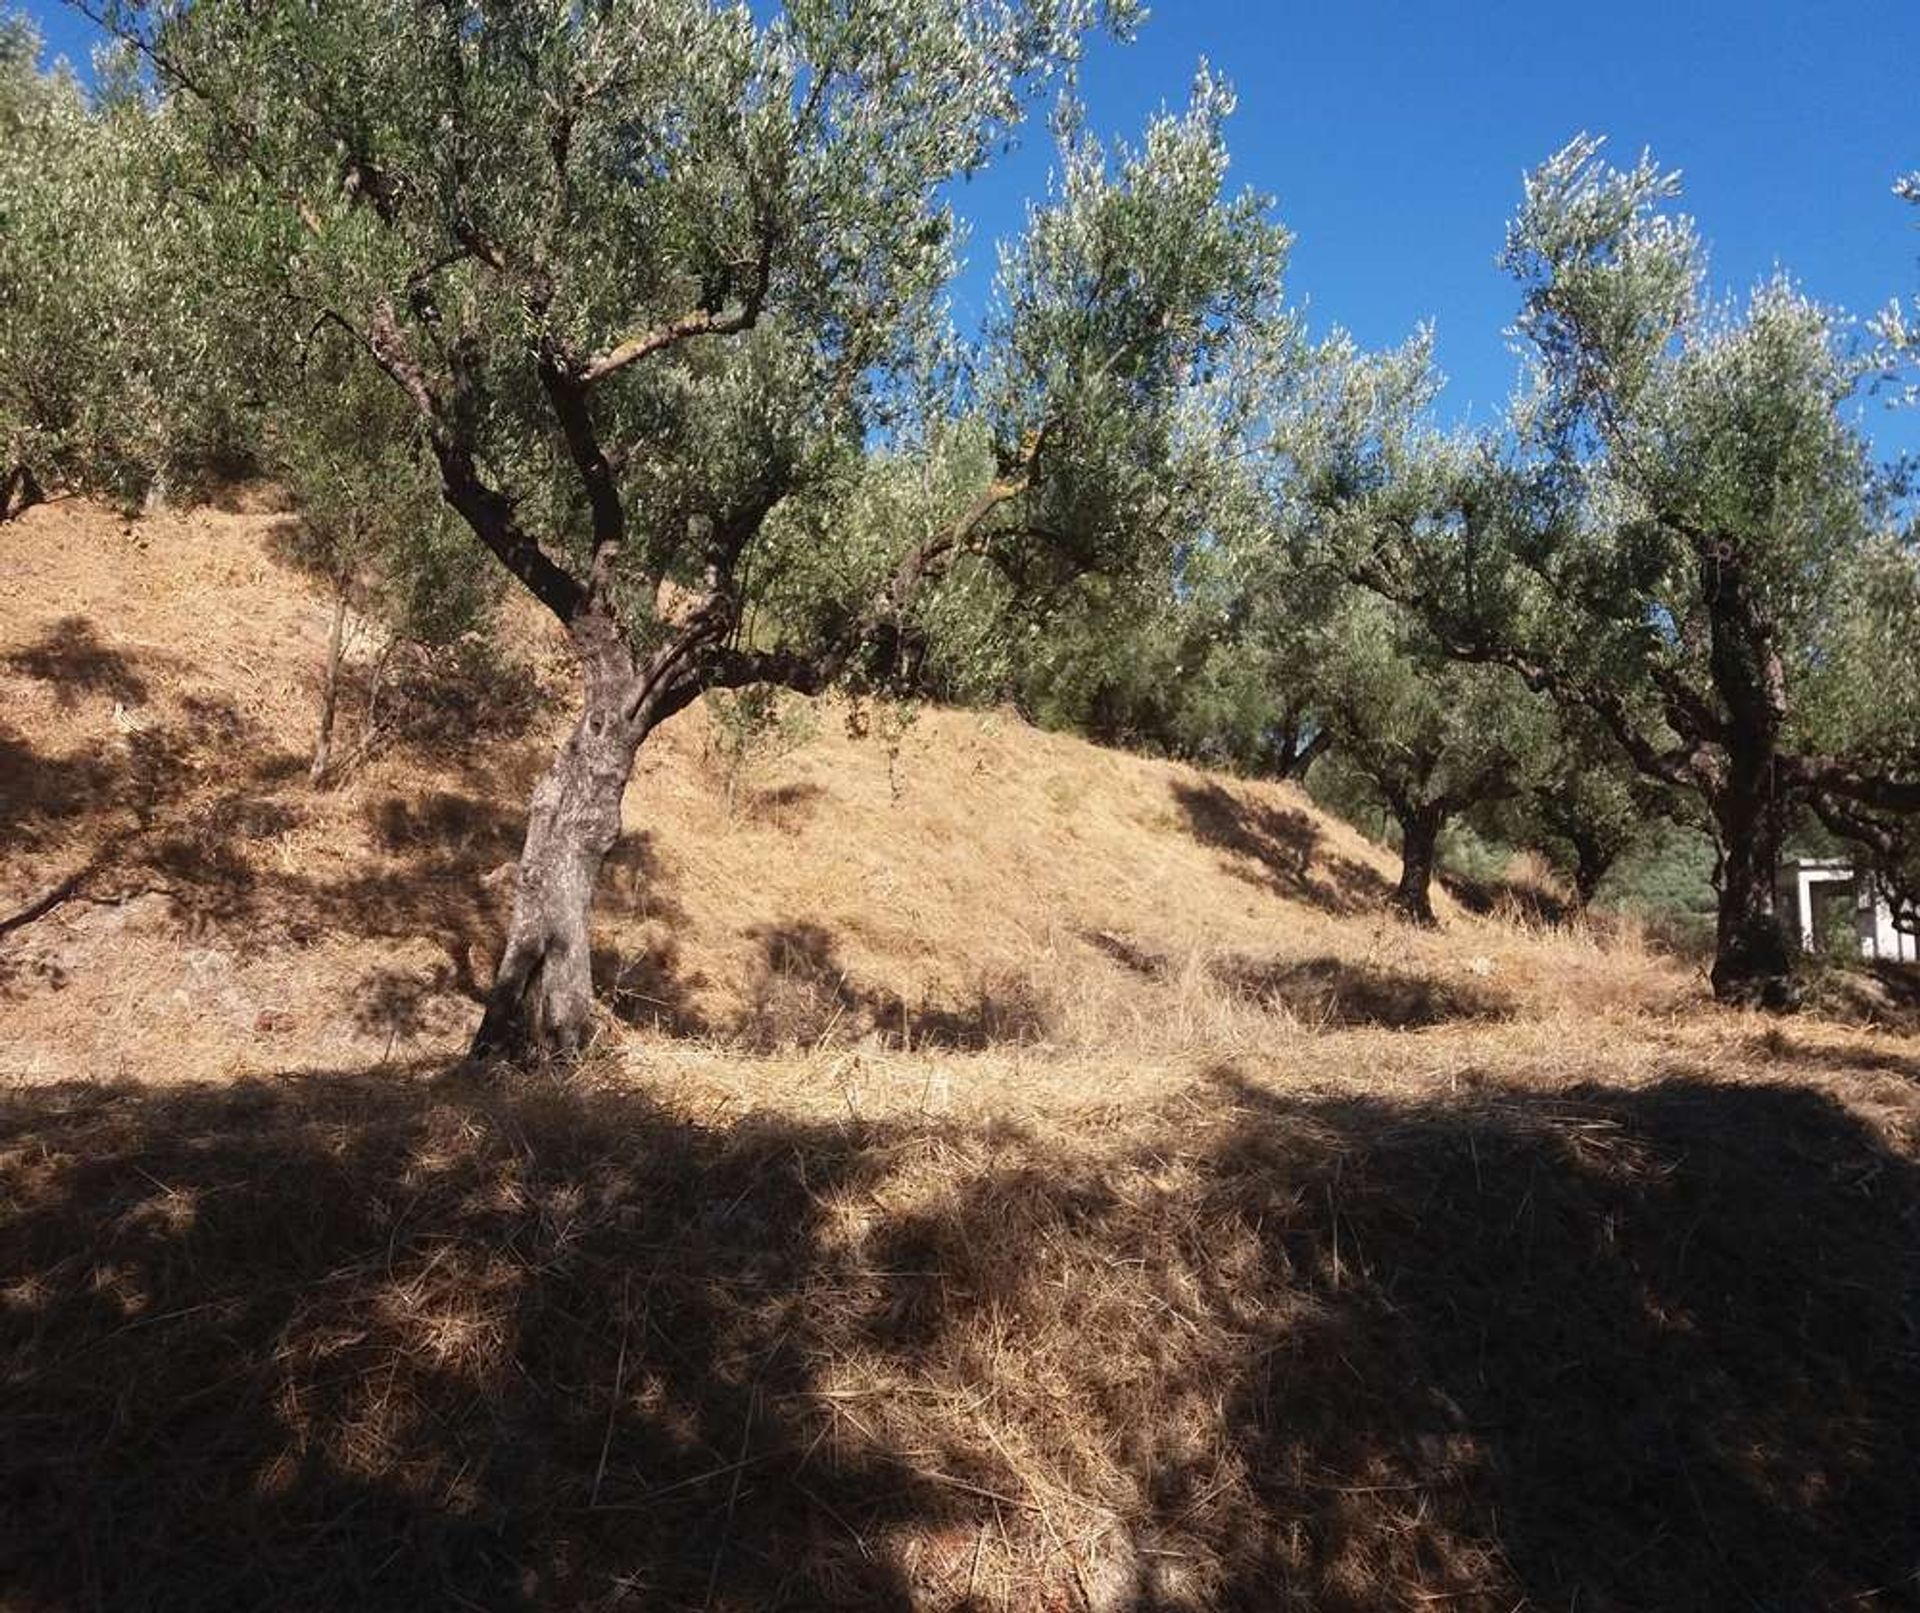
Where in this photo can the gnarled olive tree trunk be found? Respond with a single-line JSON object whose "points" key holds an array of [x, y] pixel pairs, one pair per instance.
{"points": [[19, 491], [542, 996], [541, 1001], [1752, 966], [1419, 854], [1593, 860]]}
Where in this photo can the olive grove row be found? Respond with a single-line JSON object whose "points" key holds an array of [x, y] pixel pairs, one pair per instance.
{"points": [[640, 306]]}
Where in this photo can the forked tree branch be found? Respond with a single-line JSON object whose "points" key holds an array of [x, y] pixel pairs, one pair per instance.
{"points": [[698, 322]]}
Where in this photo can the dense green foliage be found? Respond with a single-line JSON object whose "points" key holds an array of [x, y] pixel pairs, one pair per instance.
{"points": [[115, 371]]}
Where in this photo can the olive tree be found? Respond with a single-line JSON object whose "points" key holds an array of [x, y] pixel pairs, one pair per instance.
{"points": [[64, 180], [1873, 714], [651, 274], [1428, 737], [1865, 703], [117, 371], [1669, 530]]}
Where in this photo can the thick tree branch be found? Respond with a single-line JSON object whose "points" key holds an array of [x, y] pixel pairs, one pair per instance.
{"points": [[485, 509], [1684, 765], [1840, 779], [671, 334], [567, 394], [813, 673], [1689, 713], [697, 322]]}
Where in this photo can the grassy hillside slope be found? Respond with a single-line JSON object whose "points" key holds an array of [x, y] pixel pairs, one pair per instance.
{"points": [[976, 884], [1013, 1175]]}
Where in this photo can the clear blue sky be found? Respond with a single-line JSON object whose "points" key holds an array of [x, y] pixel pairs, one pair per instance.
{"points": [[1393, 137]]}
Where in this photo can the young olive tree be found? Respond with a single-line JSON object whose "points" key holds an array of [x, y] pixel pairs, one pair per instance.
{"points": [[649, 275], [1667, 536], [1429, 737], [372, 526]]}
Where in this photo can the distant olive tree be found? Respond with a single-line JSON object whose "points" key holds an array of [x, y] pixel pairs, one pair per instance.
{"points": [[1669, 535], [118, 373], [1429, 738], [653, 278], [1583, 806], [1169, 664]]}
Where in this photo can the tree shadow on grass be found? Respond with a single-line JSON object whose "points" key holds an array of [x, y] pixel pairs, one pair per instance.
{"points": [[1341, 994], [40, 794], [1517, 900], [169, 806], [72, 658], [398, 1341], [1326, 992], [802, 995], [1669, 1331], [1777, 1046], [1608, 1348], [1279, 850], [172, 810]]}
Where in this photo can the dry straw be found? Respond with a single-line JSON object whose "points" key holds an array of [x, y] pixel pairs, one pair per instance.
{"points": [[1012, 1175]]}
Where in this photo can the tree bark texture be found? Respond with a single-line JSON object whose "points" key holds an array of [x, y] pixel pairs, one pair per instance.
{"points": [[1419, 850], [541, 1001], [1752, 966]]}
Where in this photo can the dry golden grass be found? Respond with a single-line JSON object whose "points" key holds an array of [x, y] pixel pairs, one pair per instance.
{"points": [[987, 886], [1013, 1175]]}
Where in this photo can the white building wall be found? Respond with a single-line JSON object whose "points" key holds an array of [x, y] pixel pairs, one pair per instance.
{"points": [[1880, 938]]}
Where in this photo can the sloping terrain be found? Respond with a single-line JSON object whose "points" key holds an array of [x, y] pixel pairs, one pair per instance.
{"points": [[1013, 1175]]}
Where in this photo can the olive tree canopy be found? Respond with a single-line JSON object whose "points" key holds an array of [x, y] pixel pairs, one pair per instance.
{"points": [[1677, 532], [661, 283]]}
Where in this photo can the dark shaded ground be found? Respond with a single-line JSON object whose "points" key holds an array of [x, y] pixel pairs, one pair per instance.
{"points": [[398, 1341], [72, 658], [1867, 992], [1326, 992], [1278, 850], [1526, 903], [1336, 993]]}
